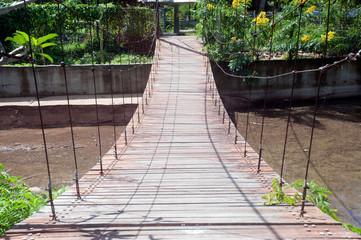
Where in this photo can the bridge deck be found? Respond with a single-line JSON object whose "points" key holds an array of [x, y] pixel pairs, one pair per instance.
{"points": [[180, 177]]}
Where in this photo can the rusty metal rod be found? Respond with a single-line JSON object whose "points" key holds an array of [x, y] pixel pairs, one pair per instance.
{"points": [[113, 113], [305, 187], [290, 101], [63, 65], [95, 95], [124, 107], [50, 190]]}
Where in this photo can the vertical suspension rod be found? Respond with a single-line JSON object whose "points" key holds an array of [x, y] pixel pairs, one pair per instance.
{"points": [[131, 96], [50, 190], [124, 107], [137, 94], [265, 97], [113, 112], [305, 186], [63, 65], [95, 94], [247, 119], [290, 100], [112, 97], [262, 127]]}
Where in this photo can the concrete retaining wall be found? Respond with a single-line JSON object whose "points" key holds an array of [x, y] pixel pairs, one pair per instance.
{"points": [[19, 81], [338, 82]]}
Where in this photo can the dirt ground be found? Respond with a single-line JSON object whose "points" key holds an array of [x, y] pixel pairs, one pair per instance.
{"points": [[22, 146], [335, 153], [22, 151]]}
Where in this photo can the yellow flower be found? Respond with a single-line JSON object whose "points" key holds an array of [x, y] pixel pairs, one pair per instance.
{"points": [[261, 19], [210, 6], [244, 1], [235, 3], [299, 1], [234, 39], [330, 35], [311, 9], [305, 39]]}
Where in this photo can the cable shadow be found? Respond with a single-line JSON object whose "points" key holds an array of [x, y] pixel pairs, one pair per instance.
{"points": [[266, 223], [179, 46]]}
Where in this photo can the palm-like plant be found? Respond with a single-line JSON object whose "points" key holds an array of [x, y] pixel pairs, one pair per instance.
{"points": [[37, 45]]}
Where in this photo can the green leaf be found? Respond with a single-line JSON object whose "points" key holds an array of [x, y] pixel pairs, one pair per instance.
{"points": [[47, 45], [46, 38], [9, 39], [25, 35], [47, 57], [19, 39], [34, 42]]}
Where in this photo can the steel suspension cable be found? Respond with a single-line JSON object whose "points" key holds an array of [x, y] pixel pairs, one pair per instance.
{"points": [[247, 118], [305, 186], [266, 90], [95, 93], [112, 98], [50, 188], [113, 113], [137, 93], [125, 129], [291, 99], [63, 65], [242, 46], [262, 126], [131, 96]]}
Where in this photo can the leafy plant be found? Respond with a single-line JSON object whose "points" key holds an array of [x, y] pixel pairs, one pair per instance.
{"points": [[315, 194], [351, 227], [37, 45], [278, 196], [17, 201], [318, 196]]}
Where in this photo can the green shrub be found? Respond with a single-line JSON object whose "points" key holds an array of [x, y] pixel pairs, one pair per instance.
{"points": [[17, 201], [124, 29], [222, 21]]}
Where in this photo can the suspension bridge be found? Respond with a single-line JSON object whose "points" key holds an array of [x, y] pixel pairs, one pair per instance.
{"points": [[180, 174]]}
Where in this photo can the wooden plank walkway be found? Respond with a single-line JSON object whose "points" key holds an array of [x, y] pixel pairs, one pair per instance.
{"points": [[181, 175]]}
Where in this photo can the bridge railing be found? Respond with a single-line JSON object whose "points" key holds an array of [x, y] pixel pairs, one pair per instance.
{"points": [[283, 109], [109, 30]]}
